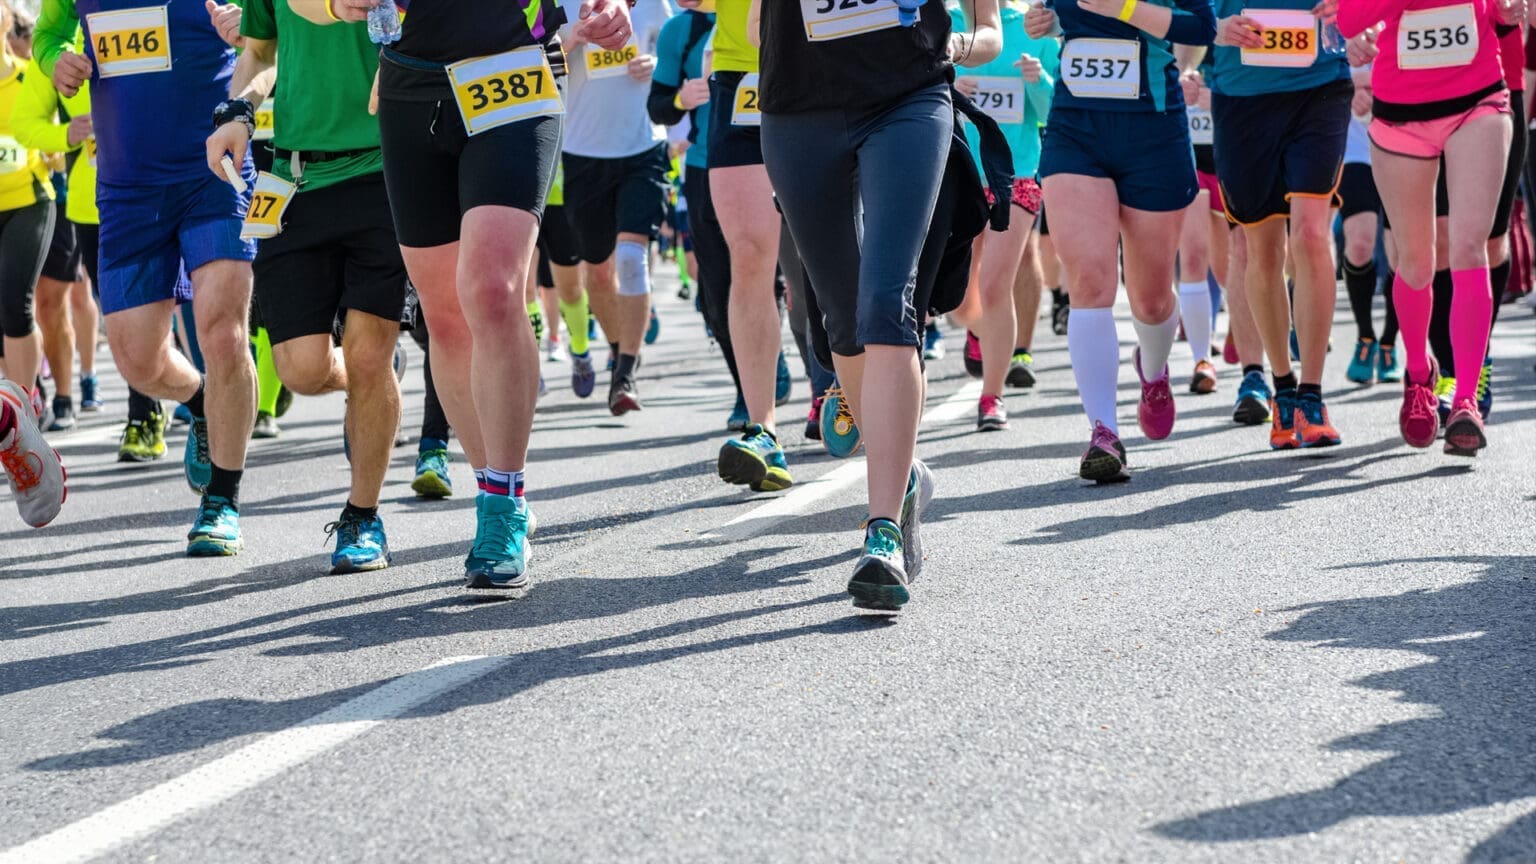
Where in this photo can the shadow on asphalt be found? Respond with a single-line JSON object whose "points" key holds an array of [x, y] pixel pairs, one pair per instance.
{"points": [[1474, 749]]}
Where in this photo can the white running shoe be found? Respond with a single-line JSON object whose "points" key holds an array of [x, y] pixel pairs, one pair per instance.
{"points": [[31, 466]]}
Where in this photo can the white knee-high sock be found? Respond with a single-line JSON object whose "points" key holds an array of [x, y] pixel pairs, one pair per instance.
{"points": [[1156, 341], [1094, 346], [1195, 308]]}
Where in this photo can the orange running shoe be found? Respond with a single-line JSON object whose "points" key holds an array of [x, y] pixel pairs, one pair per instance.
{"points": [[1282, 417], [1313, 428]]}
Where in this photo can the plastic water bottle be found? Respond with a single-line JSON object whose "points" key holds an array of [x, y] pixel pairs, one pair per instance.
{"points": [[906, 11], [1332, 41], [384, 23]]}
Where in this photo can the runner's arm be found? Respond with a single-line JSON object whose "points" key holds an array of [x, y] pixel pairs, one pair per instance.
{"points": [[255, 71], [984, 41], [1357, 16], [35, 119], [1040, 93], [57, 24], [667, 79]]}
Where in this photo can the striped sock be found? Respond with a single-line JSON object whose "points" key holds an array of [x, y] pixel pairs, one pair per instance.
{"points": [[498, 482], [480, 478]]}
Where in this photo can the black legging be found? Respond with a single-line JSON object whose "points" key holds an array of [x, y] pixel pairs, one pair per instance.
{"points": [[714, 259], [434, 422], [24, 237]]}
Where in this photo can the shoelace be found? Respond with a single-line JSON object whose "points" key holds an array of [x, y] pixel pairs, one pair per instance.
{"points": [[495, 535], [24, 475], [884, 540], [201, 441], [212, 510], [1422, 405], [1484, 379], [347, 526], [844, 413]]}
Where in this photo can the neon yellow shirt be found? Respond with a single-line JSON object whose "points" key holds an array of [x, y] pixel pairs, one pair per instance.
{"points": [[22, 171], [733, 51], [35, 123]]}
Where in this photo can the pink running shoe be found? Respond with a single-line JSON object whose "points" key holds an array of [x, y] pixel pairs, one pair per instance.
{"points": [[1464, 434], [1105, 460], [1156, 412], [972, 355], [990, 414], [1419, 418]]}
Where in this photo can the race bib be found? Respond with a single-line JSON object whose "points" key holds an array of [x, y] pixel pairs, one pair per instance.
{"points": [[90, 151], [265, 126], [130, 41], [13, 156], [1437, 38], [1290, 38], [610, 64], [504, 88], [748, 110], [1200, 129], [269, 201], [1001, 96], [838, 19], [1102, 68]]}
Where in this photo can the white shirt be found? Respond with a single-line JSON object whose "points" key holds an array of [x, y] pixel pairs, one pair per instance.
{"points": [[606, 118]]}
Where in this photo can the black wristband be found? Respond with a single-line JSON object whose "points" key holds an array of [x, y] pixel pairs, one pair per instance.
{"points": [[236, 110]]}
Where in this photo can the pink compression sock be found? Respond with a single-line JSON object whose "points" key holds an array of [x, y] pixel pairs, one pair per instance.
{"points": [[1414, 306], [1471, 319]]}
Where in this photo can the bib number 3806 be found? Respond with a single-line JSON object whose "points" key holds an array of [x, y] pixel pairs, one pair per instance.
{"points": [[1437, 38], [130, 41], [504, 88]]}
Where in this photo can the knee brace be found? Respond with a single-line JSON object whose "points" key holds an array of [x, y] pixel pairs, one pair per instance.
{"points": [[632, 264]]}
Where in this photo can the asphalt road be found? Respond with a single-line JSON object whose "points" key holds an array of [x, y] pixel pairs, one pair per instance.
{"points": [[1238, 656]]}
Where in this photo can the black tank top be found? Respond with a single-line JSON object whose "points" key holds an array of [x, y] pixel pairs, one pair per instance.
{"points": [[446, 31], [856, 72]]}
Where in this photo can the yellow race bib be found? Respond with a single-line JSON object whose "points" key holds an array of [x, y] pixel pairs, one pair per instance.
{"points": [[1290, 39], [130, 41], [610, 64], [269, 201], [265, 123], [748, 110], [504, 88]]}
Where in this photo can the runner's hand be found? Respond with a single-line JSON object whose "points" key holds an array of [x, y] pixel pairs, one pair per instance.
{"points": [[79, 129], [1326, 10], [1363, 102], [1039, 21], [1239, 31], [641, 68], [231, 139], [352, 10], [1205, 98], [1107, 8], [226, 19], [71, 71], [1511, 12], [694, 93], [968, 86], [1190, 81], [605, 22], [1030, 67], [1362, 49]]}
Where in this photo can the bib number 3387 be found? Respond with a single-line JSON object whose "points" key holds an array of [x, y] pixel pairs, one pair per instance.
{"points": [[130, 41], [504, 88]]}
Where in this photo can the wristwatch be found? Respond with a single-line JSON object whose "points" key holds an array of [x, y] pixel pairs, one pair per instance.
{"points": [[236, 110]]}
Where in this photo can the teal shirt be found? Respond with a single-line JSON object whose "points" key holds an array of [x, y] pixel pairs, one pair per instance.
{"points": [[1233, 78], [1023, 138]]}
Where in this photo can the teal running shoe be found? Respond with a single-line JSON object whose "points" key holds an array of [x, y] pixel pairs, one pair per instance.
{"points": [[756, 460], [360, 544], [739, 417], [781, 386], [839, 434], [880, 580], [198, 464], [1252, 407], [1389, 368], [919, 495], [498, 561], [432, 477], [1485, 389], [653, 329], [1362, 364], [216, 533]]}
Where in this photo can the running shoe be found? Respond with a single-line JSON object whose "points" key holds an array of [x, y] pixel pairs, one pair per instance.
{"points": [[685, 291], [553, 354], [1061, 309], [63, 414], [400, 362], [839, 434], [266, 427], [623, 396], [1229, 351], [499, 558], [782, 384], [360, 544], [972, 355], [1419, 419], [1388, 369], [919, 495], [1485, 389], [1313, 428], [653, 330], [543, 386], [284, 401], [1282, 415], [591, 326], [1105, 460], [1362, 364], [40, 404], [198, 464], [933, 342], [1021, 370], [90, 400], [1464, 435], [432, 477], [813, 421], [879, 580], [1445, 388], [1156, 411], [1204, 379], [143, 440], [583, 376], [990, 414], [1295, 347], [32, 467], [216, 533], [1253, 396], [756, 460], [739, 417]]}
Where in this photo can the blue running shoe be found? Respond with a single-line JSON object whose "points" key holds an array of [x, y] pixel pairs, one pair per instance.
{"points": [[360, 544], [933, 342], [198, 464], [739, 417], [1253, 397], [839, 434], [1485, 389], [781, 387], [756, 460], [216, 533], [1362, 365], [591, 326], [432, 477], [1388, 368], [653, 330], [880, 580], [90, 401], [499, 559], [583, 376]]}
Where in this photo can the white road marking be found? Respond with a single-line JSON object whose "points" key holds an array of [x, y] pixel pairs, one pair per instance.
{"points": [[800, 499], [228, 776]]}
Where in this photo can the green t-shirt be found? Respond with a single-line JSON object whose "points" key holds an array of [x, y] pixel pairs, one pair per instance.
{"points": [[324, 76]]}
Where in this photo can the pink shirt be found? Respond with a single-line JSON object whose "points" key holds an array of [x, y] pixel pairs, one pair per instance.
{"points": [[1454, 70]]}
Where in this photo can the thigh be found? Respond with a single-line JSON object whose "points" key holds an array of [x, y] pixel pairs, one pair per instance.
{"points": [[1512, 173], [373, 273], [1313, 153], [1407, 187], [1086, 236], [592, 205], [1474, 167], [23, 245], [557, 239], [140, 259], [211, 214], [642, 193], [422, 178], [1150, 240], [298, 275], [509, 166], [1249, 136]]}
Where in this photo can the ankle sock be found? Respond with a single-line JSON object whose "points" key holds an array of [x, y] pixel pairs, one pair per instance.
{"points": [[428, 444], [1285, 382], [480, 478], [225, 483], [195, 404], [625, 366], [505, 483], [360, 512], [1310, 390]]}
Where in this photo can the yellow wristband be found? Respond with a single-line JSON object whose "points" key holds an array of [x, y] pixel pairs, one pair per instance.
{"points": [[677, 102], [1127, 11], [329, 11]]}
